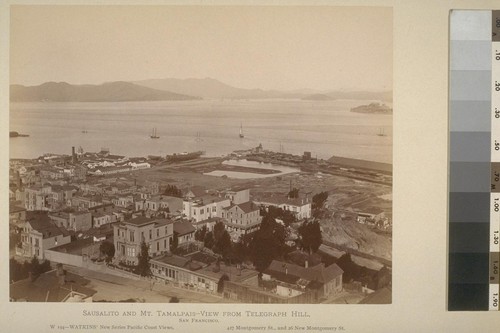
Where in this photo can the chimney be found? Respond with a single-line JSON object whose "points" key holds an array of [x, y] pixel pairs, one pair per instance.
{"points": [[73, 155]]}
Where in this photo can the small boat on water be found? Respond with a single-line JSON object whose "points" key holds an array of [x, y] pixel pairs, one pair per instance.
{"points": [[154, 135], [241, 131]]}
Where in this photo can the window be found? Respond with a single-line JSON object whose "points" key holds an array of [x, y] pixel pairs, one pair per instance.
{"points": [[158, 232], [157, 246], [202, 211], [150, 234], [132, 236], [130, 251], [214, 209]]}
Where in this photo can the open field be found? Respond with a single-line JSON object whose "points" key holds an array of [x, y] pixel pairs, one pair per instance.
{"points": [[346, 195]]}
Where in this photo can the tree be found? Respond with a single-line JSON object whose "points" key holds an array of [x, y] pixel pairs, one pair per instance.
{"points": [[223, 244], [294, 193], [17, 270], [108, 249], [142, 267], [311, 238], [319, 199], [222, 240], [199, 235], [35, 268], [208, 241], [268, 243], [174, 299], [277, 213], [242, 247], [220, 284], [173, 191], [175, 242]]}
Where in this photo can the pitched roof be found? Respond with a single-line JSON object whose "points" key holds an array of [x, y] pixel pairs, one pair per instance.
{"points": [[248, 207], [16, 209], [142, 220], [197, 191], [177, 261], [46, 288], [47, 228], [317, 273], [183, 228]]}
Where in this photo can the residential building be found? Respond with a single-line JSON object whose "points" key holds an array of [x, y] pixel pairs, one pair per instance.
{"points": [[86, 201], [199, 272], [72, 219], [128, 236], [238, 195], [242, 218], [195, 191], [40, 234], [163, 202], [209, 223], [123, 200], [37, 198], [300, 207], [184, 231], [61, 195], [204, 207], [17, 214], [100, 219], [292, 280]]}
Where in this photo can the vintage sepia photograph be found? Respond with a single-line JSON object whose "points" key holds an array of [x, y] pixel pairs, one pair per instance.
{"points": [[201, 154]]}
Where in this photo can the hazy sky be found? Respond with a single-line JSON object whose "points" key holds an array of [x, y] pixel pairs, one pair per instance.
{"points": [[248, 47]]}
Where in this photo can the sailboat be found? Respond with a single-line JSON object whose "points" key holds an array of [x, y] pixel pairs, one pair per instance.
{"points": [[241, 131], [153, 135]]}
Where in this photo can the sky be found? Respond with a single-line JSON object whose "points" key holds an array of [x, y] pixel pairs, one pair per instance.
{"points": [[266, 47]]}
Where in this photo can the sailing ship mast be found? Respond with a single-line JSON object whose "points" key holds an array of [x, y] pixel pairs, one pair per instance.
{"points": [[381, 132], [241, 131], [153, 135]]}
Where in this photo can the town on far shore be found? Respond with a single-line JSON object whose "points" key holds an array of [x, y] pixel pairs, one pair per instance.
{"points": [[100, 227]]}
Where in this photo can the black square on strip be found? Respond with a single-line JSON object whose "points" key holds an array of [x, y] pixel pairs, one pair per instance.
{"points": [[469, 237], [468, 297], [473, 268]]}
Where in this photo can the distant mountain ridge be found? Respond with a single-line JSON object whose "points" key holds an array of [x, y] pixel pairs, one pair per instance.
{"points": [[212, 88], [172, 89], [118, 91]]}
